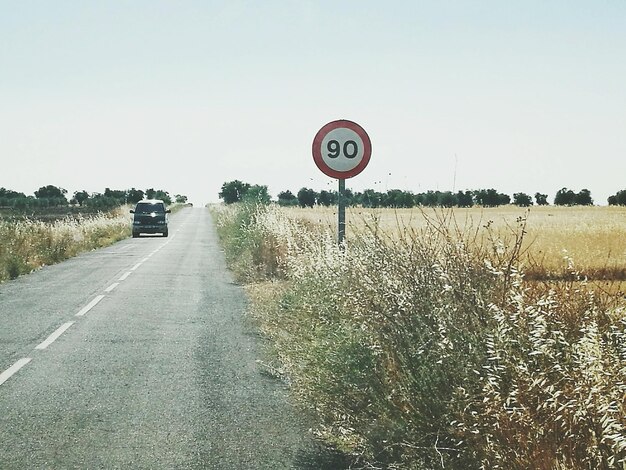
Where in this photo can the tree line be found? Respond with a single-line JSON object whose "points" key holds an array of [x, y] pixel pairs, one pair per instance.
{"points": [[235, 191], [54, 196]]}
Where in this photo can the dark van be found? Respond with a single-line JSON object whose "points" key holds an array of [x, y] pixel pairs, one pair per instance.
{"points": [[150, 216]]}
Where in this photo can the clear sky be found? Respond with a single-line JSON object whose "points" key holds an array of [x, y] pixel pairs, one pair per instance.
{"points": [[183, 95]]}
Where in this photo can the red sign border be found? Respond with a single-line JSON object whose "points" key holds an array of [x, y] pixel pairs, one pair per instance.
{"points": [[317, 149]]}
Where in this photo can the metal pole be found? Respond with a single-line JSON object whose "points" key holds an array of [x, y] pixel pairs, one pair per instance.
{"points": [[341, 200]]}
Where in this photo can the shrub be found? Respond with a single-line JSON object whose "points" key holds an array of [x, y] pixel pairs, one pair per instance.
{"points": [[553, 391], [253, 252]]}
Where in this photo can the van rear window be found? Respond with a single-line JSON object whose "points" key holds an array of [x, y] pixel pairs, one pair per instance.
{"points": [[149, 208]]}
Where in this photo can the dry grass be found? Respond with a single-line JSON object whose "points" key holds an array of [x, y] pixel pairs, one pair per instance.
{"points": [[424, 347], [26, 245]]}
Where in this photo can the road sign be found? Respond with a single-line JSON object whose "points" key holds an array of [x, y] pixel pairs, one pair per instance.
{"points": [[341, 149]]}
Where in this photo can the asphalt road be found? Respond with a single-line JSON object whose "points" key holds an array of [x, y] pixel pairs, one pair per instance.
{"points": [[138, 356]]}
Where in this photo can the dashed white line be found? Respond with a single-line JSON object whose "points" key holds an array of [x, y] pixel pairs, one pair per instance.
{"points": [[54, 336], [6, 375], [111, 287], [90, 305], [136, 266]]}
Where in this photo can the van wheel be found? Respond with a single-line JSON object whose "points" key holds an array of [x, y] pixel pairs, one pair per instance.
{"points": [[165, 233], [135, 234]]}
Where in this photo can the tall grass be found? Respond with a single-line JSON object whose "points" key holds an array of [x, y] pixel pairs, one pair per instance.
{"points": [[422, 349], [26, 245]]}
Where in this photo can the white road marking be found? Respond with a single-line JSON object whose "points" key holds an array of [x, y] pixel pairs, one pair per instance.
{"points": [[90, 305], [126, 247], [143, 260], [124, 276], [136, 266], [54, 336], [6, 375], [111, 287]]}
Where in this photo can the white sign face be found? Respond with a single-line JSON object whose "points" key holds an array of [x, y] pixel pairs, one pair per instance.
{"points": [[342, 149]]}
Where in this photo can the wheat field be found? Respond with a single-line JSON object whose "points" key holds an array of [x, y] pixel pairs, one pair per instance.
{"points": [[557, 241]]}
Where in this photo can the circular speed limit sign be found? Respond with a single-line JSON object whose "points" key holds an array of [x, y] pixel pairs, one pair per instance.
{"points": [[341, 149]]}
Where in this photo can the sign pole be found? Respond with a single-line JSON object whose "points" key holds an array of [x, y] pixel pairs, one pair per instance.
{"points": [[341, 200], [341, 150]]}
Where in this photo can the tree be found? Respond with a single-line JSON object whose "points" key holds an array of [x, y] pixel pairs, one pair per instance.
{"points": [[522, 200], [180, 199], [430, 198], [541, 199], [503, 199], [163, 196], [9, 194], [447, 199], [565, 197], [486, 197], [117, 194], [399, 198], [287, 198], [326, 198], [257, 194], [491, 198], [349, 198], [52, 192], [81, 197], [233, 191], [21, 203], [464, 199], [371, 198], [101, 202], [583, 198], [307, 197], [618, 199], [133, 195]]}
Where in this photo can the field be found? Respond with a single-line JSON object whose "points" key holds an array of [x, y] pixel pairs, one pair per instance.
{"points": [[445, 339], [557, 240]]}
